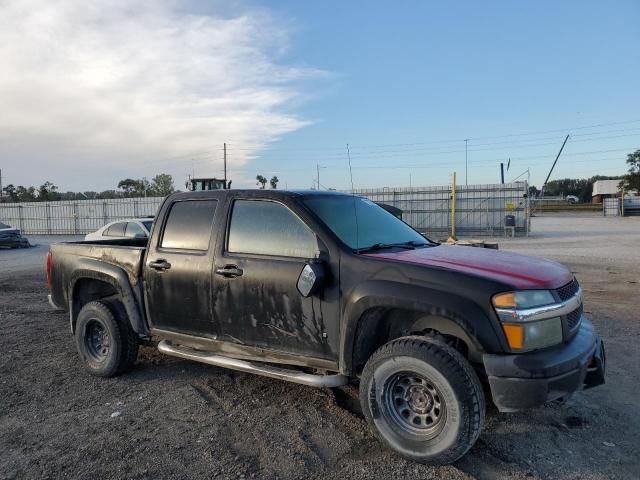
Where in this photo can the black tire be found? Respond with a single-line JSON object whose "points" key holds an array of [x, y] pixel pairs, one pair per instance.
{"points": [[423, 399], [105, 341]]}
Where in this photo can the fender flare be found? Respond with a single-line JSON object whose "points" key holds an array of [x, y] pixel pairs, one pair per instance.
{"points": [[459, 312], [89, 268]]}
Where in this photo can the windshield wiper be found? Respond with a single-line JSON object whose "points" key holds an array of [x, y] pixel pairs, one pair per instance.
{"points": [[410, 245], [416, 243], [382, 246]]}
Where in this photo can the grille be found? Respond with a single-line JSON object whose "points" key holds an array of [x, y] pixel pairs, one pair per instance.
{"points": [[569, 290], [574, 318]]}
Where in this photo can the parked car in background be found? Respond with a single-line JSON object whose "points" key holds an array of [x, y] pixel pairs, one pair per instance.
{"points": [[572, 199], [131, 228], [11, 237]]}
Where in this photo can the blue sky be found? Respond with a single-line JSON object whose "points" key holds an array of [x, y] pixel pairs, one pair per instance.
{"points": [[426, 72], [289, 84]]}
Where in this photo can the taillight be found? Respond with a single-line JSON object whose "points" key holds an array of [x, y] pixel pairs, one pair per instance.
{"points": [[48, 267]]}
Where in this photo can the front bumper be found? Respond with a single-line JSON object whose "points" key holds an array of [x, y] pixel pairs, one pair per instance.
{"points": [[528, 380]]}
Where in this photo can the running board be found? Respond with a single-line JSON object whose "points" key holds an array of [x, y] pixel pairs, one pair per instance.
{"points": [[296, 376]]}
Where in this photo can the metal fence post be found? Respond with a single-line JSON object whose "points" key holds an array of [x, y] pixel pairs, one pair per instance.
{"points": [[453, 207], [48, 210], [76, 218]]}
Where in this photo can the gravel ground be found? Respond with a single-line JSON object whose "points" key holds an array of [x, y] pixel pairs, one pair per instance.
{"points": [[170, 418]]}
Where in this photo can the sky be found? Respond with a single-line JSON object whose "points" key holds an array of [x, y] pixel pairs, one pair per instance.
{"points": [[91, 93]]}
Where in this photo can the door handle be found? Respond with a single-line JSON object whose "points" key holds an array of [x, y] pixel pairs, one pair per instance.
{"points": [[229, 271], [160, 264]]}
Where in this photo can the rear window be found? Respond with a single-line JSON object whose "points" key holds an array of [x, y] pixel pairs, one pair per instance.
{"points": [[115, 230], [188, 225]]}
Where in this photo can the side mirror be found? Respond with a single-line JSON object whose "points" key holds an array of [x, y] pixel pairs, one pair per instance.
{"points": [[140, 235], [311, 279]]}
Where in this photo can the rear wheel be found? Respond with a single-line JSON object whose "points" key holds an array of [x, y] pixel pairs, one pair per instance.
{"points": [[105, 340], [423, 399]]}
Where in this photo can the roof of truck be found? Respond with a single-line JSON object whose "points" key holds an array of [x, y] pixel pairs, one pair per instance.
{"points": [[255, 192]]}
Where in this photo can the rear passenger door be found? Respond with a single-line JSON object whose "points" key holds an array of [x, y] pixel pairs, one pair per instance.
{"points": [[177, 271], [256, 271]]}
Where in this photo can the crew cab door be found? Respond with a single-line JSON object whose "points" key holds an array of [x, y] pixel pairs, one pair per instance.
{"points": [[256, 298], [177, 270]]}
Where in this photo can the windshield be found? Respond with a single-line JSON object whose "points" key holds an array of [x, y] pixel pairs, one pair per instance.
{"points": [[374, 226]]}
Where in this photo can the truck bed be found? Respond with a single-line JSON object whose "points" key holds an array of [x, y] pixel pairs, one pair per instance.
{"points": [[125, 254]]}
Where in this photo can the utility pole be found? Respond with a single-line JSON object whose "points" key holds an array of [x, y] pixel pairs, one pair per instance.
{"points": [[225, 165], [502, 172], [466, 162], [318, 175], [0, 185], [556, 160]]}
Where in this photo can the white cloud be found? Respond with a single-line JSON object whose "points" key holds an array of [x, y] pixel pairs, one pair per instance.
{"points": [[111, 87]]}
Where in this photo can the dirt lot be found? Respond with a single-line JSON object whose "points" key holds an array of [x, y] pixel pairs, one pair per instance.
{"points": [[170, 418]]}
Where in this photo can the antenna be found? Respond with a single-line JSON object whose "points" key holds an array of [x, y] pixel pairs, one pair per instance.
{"points": [[350, 171], [225, 165], [355, 209]]}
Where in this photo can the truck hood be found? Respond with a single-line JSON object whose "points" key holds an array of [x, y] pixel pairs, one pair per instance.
{"points": [[517, 270]]}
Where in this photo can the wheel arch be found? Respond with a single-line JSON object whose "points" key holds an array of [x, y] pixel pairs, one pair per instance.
{"points": [[383, 311], [95, 280]]}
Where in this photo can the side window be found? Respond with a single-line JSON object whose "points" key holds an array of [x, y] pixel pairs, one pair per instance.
{"points": [[188, 225], [133, 229], [269, 228], [115, 230]]}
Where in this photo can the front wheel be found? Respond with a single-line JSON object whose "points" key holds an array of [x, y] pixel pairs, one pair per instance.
{"points": [[423, 399]]}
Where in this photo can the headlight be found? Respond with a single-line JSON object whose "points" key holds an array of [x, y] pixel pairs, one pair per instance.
{"points": [[523, 337], [514, 310], [523, 299]]}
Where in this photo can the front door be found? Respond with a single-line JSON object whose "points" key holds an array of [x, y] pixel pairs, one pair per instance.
{"points": [[177, 271], [256, 273]]}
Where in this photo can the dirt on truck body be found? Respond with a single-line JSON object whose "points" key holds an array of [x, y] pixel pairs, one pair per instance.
{"points": [[326, 289]]}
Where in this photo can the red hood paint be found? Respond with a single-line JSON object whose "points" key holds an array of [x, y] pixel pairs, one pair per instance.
{"points": [[520, 271]]}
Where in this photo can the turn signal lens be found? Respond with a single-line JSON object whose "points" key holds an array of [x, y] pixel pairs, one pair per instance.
{"points": [[523, 299], [505, 300], [515, 336]]}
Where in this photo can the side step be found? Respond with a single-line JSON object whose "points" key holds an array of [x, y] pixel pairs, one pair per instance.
{"points": [[296, 376]]}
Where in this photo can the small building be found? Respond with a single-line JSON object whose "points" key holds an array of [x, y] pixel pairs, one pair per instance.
{"points": [[201, 184], [605, 189]]}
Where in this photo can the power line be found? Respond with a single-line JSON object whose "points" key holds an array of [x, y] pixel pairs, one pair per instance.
{"points": [[439, 151], [457, 140]]}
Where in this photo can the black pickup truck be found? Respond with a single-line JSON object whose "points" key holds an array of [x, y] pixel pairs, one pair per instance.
{"points": [[324, 288]]}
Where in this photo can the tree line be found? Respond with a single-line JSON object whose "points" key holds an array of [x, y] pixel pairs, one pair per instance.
{"points": [[583, 187], [159, 186], [162, 185]]}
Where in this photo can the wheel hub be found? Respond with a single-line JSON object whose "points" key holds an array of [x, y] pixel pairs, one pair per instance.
{"points": [[419, 399], [414, 404], [97, 341]]}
